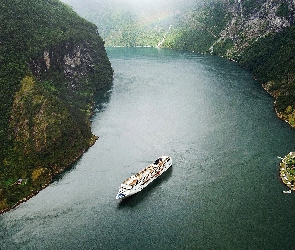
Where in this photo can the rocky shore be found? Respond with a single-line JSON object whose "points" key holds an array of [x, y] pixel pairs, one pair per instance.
{"points": [[287, 165], [287, 170]]}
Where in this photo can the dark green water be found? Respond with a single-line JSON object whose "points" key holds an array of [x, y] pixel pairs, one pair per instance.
{"points": [[223, 191]]}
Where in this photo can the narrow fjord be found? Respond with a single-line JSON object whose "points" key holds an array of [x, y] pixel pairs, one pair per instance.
{"points": [[223, 190]]}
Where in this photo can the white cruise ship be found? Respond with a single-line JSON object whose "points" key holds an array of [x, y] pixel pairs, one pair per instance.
{"points": [[139, 181]]}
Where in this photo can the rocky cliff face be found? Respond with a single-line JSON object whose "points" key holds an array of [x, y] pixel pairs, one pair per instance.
{"points": [[76, 62], [248, 23]]}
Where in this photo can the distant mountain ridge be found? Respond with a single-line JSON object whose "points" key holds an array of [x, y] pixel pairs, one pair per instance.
{"points": [[53, 62]]}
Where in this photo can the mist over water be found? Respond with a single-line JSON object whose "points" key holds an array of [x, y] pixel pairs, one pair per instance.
{"points": [[134, 5], [223, 190], [113, 17]]}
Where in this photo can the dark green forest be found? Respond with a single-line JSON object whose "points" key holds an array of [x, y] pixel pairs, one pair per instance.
{"points": [[272, 60], [44, 123]]}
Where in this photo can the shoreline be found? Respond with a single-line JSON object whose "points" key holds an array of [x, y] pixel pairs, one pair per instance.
{"points": [[94, 138], [287, 164], [287, 170], [56, 172]]}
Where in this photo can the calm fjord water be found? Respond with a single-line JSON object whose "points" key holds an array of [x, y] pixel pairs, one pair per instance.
{"points": [[223, 191]]}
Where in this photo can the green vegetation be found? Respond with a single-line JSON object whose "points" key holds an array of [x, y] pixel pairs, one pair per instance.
{"points": [[249, 6], [272, 60], [45, 105], [283, 10], [287, 170], [198, 29]]}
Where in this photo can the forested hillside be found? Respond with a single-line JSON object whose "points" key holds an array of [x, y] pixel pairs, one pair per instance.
{"points": [[52, 64]]}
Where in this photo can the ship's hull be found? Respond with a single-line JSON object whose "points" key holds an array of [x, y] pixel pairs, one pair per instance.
{"points": [[142, 179]]}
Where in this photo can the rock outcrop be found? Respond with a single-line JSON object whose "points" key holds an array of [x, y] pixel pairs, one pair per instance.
{"points": [[76, 61], [247, 23]]}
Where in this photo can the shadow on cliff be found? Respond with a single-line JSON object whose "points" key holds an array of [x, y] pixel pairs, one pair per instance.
{"points": [[102, 99]]}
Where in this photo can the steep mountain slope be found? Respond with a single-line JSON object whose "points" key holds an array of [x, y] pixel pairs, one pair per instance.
{"points": [[52, 64], [131, 23], [258, 34]]}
